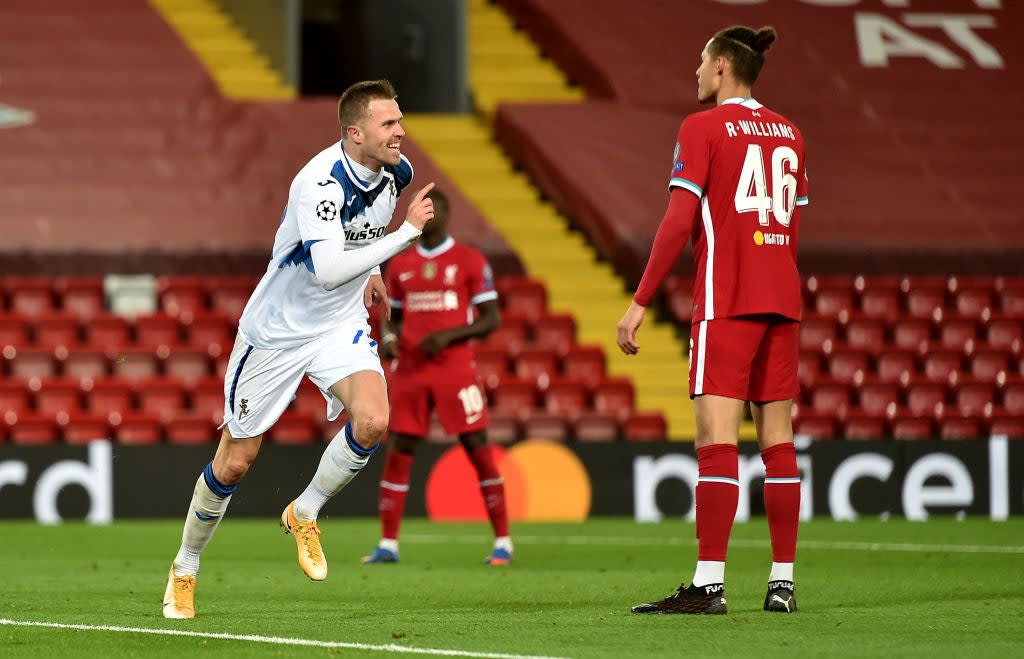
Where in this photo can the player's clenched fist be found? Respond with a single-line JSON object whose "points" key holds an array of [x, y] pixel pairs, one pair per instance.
{"points": [[421, 209]]}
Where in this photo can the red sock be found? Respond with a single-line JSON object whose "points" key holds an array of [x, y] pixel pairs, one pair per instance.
{"points": [[782, 499], [492, 487], [394, 486], [718, 493]]}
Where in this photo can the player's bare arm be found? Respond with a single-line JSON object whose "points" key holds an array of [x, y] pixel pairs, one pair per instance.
{"points": [[390, 330], [487, 320]]}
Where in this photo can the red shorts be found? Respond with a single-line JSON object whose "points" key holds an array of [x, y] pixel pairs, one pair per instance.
{"points": [[751, 358], [452, 389]]}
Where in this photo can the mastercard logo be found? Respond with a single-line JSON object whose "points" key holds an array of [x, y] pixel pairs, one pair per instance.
{"points": [[544, 482]]}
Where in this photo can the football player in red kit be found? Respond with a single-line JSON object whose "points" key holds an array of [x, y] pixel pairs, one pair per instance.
{"points": [[737, 185], [433, 290]]}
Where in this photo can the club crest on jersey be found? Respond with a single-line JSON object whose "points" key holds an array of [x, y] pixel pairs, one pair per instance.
{"points": [[429, 270], [327, 210]]}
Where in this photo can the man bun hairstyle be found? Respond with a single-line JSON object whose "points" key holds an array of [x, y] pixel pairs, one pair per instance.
{"points": [[354, 104], [745, 48]]}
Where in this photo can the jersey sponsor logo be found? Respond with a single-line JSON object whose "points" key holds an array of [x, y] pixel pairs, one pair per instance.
{"points": [[357, 234], [327, 210], [329, 181], [768, 238]]}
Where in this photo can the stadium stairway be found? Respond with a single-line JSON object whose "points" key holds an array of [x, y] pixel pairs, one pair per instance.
{"points": [[505, 66], [240, 70]]}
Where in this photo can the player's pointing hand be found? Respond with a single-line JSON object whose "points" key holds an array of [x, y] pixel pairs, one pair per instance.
{"points": [[421, 209]]}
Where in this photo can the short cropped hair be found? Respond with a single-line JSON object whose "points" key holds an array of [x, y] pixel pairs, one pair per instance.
{"points": [[354, 104], [744, 47]]}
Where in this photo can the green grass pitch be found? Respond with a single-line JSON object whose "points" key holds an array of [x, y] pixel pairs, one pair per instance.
{"points": [[865, 589]]}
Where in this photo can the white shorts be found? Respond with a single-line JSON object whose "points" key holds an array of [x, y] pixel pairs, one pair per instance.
{"points": [[260, 383]]}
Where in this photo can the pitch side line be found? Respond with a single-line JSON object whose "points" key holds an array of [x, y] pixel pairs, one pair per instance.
{"points": [[734, 542], [273, 640]]}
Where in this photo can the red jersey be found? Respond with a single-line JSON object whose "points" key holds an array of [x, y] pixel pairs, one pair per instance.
{"points": [[746, 165], [436, 289]]}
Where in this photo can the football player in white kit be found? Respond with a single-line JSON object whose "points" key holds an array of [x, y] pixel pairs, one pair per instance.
{"points": [[308, 317]]}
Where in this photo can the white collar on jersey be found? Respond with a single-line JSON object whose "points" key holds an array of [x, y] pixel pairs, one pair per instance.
{"points": [[448, 243], [362, 177], [745, 102]]}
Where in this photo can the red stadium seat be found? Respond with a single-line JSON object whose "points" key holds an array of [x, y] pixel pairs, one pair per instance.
{"points": [[926, 302], [229, 295], [210, 332], [895, 365], [1011, 301], [958, 333], [809, 368], [911, 427], [191, 428], [1011, 425], [975, 398], [816, 426], [614, 396], [56, 395], [181, 295], [988, 365], [877, 396], [596, 427], [865, 334], [30, 296], [881, 303], [56, 328], [491, 365], [84, 427], [566, 397], [538, 365], [961, 428], [912, 333], [138, 428], [556, 331], [14, 331], [586, 363], [817, 332], [515, 397], [83, 296], [523, 295], [1013, 398], [831, 396], [295, 428], [554, 427], [187, 364], [108, 332], [135, 364], [864, 427], [849, 365], [152, 331], [645, 427], [503, 429], [86, 363], [207, 396], [109, 395], [308, 398], [939, 365], [834, 302], [31, 428], [28, 363], [974, 302], [925, 397], [1002, 333], [511, 336], [14, 397], [163, 397]]}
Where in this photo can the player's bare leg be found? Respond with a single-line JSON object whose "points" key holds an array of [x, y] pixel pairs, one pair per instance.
{"points": [[210, 500], [364, 395], [781, 498], [492, 489], [394, 487]]}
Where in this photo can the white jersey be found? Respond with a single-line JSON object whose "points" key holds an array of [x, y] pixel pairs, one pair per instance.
{"points": [[327, 200]]}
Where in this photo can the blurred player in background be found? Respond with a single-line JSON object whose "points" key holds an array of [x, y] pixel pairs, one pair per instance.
{"points": [[737, 184], [308, 317], [434, 289]]}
